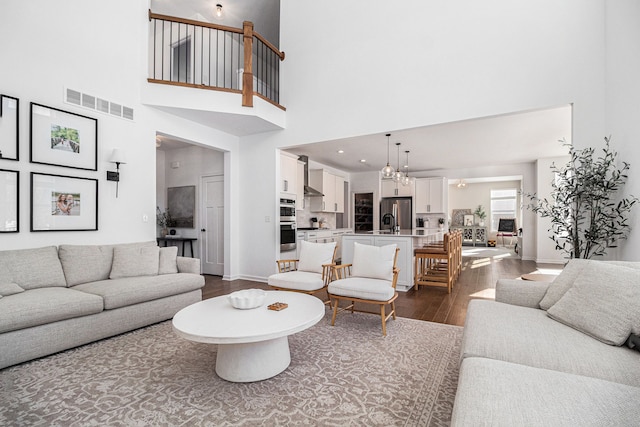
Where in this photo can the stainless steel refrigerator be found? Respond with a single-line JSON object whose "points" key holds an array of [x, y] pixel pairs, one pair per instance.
{"points": [[395, 211]]}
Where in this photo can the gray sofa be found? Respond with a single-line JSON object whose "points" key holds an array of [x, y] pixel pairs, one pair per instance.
{"points": [[554, 354], [53, 299]]}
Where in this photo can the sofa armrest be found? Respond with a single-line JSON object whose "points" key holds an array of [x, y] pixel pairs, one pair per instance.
{"points": [[188, 265], [521, 292]]}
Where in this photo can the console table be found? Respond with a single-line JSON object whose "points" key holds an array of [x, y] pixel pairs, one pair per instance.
{"points": [[473, 234], [178, 239]]}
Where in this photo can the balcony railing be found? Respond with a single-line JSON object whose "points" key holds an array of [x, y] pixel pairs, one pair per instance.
{"points": [[197, 54]]}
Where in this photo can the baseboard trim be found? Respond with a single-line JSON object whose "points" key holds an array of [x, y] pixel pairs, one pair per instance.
{"points": [[253, 278]]}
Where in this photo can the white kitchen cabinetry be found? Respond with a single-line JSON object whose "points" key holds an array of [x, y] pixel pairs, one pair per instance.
{"points": [[332, 186], [395, 189], [288, 174], [430, 195], [300, 202]]}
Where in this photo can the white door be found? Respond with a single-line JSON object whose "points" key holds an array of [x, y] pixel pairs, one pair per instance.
{"points": [[212, 231]]}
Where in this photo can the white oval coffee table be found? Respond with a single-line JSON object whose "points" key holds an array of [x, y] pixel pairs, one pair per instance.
{"points": [[252, 344]]}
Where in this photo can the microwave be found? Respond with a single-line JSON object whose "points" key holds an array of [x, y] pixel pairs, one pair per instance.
{"points": [[287, 210]]}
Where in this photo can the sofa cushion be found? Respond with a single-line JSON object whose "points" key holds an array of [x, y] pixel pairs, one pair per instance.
{"points": [[34, 268], [314, 255], [495, 393], [45, 305], [375, 262], [7, 289], [362, 287], [568, 275], [168, 260], [528, 336], [298, 280], [134, 261], [133, 290], [604, 302], [89, 263]]}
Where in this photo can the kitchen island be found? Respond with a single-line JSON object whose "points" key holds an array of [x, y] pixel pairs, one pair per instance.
{"points": [[406, 240]]}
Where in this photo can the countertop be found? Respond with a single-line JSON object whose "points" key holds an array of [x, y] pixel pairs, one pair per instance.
{"points": [[403, 233]]}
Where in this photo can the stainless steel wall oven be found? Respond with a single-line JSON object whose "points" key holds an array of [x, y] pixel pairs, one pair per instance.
{"points": [[288, 232]]}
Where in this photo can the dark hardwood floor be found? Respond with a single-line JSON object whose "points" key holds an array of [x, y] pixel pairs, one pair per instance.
{"points": [[477, 280]]}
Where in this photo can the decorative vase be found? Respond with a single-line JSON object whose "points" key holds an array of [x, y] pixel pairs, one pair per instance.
{"points": [[481, 223], [163, 232]]}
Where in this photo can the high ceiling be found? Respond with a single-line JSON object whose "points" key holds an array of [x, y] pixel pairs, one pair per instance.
{"points": [[265, 14], [506, 139]]}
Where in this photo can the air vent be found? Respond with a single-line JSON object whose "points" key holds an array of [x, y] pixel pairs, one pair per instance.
{"points": [[73, 97], [88, 101], [94, 103], [103, 105]]}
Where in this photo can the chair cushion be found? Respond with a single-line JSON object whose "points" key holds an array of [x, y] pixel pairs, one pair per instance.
{"points": [[134, 262], [313, 255], [168, 260], [604, 302], [375, 262], [298, 280], [363, 288]]}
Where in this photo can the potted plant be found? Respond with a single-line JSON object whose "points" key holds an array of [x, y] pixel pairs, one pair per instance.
{"points": [[481, 214], [441, 223], [164, 220], [587, 216]]}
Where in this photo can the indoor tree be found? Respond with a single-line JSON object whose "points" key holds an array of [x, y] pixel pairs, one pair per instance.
{"points": [[585, 217]]}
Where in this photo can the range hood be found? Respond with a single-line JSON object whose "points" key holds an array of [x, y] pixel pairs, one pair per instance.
{"points": [[308, 191]]}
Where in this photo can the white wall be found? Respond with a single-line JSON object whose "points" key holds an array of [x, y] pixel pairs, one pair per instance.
{"points": [[623, 108], [86, 54]]}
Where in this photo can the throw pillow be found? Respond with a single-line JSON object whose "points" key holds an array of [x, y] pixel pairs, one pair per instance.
{"points": [[313, 255], [375, 262], [133, 262], [7, 289], [634, 342], [604, 302], [563, 282], [168, 260]]}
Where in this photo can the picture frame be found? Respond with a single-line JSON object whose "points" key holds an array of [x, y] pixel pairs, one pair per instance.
{"points": [[181, 202], [9, 127], [469, 220], [63, 203], [9, 201], [61, 138]]}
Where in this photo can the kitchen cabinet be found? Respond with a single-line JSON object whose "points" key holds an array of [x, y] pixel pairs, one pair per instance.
{"points": [[332, 186], [430, 195], [288, 174], [300, 202], [363, 212], [389, 188]]}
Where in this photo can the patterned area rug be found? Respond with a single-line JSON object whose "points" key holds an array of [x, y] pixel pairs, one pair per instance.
{"points": [[343, 375]]}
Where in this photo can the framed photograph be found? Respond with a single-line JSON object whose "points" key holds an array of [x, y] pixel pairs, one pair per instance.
{"points": [[9, 127], [64, 139], [468, 220], [63, 203], [181, 202], [9, 201]]}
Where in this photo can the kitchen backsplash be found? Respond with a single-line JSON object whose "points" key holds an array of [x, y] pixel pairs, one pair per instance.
{"points": [[303, 218]]}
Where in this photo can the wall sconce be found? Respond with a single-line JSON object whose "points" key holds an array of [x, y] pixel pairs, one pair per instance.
{"points": [[117, 157]]}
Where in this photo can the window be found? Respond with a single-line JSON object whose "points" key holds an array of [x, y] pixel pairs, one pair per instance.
{"points": [[503, 205]]}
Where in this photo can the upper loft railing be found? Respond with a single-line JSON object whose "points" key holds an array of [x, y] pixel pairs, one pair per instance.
{"points": [[197, 54]]}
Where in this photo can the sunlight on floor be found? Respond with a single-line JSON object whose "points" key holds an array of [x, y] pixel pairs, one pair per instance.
{"points": [[480, 262], [489, 293]]}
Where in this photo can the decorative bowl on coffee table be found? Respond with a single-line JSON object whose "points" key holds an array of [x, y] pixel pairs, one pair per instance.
{"points": [[247, 298]]}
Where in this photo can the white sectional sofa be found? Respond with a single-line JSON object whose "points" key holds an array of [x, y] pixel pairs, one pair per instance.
{"points": [[53, 299], [554, 354]]}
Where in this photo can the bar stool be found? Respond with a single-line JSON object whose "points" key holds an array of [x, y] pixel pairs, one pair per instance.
{"points": [[435, 265]]}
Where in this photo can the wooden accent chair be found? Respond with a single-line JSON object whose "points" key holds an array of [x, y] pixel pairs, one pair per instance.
{"points": [[310, 274], [439, 265], [370, 279]]}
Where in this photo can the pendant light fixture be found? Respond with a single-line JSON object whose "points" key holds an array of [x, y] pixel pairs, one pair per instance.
{"points": [[387, 171], [406, 180], [397, 175]]}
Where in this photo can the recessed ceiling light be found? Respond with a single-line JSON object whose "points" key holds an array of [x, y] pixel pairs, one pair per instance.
{"points": [[363, 160], [340, 151]]}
